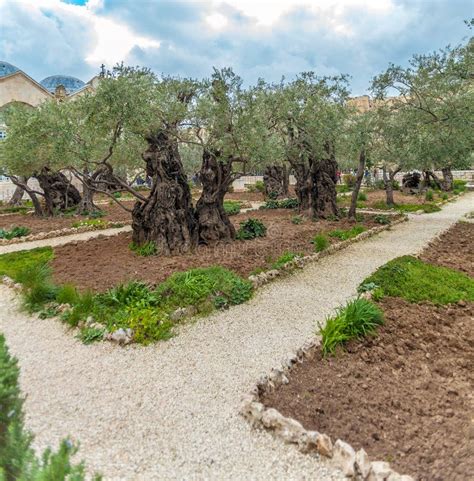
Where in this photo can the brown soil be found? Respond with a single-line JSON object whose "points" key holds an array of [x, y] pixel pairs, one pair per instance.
{"points": [[454, 249], [114, 213], [246, 196], [404, 395], [104, 262]]}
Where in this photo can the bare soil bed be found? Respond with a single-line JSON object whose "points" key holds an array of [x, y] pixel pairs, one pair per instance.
{"points": [[454, 249], [104, 262], [113, 213], [405, 394]]}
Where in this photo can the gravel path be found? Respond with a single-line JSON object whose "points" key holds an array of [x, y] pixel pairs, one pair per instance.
{"points": [[169, 411]]}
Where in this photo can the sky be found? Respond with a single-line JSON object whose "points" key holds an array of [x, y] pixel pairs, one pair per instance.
{"points": [[257, 38]]}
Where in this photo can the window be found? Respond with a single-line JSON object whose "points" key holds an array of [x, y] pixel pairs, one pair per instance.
{"points": [[3, 135]]}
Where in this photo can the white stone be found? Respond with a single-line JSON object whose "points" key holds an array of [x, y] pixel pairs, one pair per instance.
{"points": [[324, 445], [379, 471], [291, 430], [362, 463], [344, 457]]}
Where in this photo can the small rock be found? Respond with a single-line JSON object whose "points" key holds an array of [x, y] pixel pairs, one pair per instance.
{"points": [[379, 471], [291, 430], [324, 445], [272, 418], [89, 320], [462, 303], [310, 441], [344, 457], [119, 336], [272, 273], [178, 314], [362, 463]]}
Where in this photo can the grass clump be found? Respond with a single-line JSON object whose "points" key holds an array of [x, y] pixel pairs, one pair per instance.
{"points": [[345, 234], [429, 195], [284, 258], [18, 461], [250, 229], [321, 242], [382, 219], [95, 223], [459, 185], [231, 207], [289, 203], [145, 250], [297, 219], [362, 196], [13, 263], [14, 233], [427, 208], [356, 319], [415, 281]]}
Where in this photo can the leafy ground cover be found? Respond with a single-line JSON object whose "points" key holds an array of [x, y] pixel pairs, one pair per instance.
{"points": [[14, 232]]}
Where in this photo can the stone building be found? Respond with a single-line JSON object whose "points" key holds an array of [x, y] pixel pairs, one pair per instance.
{"points": [[17, 86]]}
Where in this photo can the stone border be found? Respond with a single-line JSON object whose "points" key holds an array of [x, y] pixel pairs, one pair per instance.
{"points": [[263, 278], [61, 232], [354, 464]]}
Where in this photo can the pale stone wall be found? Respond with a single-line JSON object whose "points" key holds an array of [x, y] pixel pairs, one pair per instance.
{"points": [[18, 88]]}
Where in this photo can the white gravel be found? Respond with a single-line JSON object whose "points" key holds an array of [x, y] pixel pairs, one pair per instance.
{"points": [[170, 410]]}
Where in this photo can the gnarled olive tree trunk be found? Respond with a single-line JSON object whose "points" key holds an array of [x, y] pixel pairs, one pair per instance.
{"points": [[166, 217], [303, 185], [58, 191], [323, 185], [447, 182], [213, 223], [274, 180]]}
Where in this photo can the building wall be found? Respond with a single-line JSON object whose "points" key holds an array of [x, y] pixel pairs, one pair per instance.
{"points": [[19, 88]]}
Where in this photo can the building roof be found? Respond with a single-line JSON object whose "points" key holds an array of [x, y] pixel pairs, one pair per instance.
{"points": [[7, 68], [71, 84]]}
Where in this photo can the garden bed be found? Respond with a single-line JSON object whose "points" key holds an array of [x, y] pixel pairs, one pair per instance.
{"points": [[403, 393], [454, 249], [376, 199], [101, 263], [36, 225]]}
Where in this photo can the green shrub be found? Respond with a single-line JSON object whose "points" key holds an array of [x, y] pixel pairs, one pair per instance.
{"points": [[321, 242], [297, 219], [117, 195], [347, 233], [250, 229], [457, 191], [349, 180], [81, 309], [362, 196], [97, 214], [416, 281], [260, 186], [356, 319], [429, 195], [459, 185], [444, 196], [284, 258], [232, 207], [382, 219], [147, 249], [289, 203], [18, 460], [14, 233], [67, 294], [381, 205]]}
